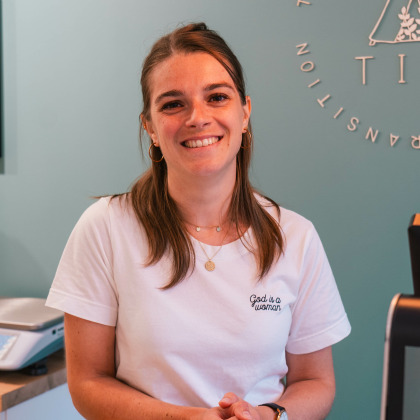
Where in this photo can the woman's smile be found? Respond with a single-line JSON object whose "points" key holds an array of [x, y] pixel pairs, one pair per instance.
{"points": [[203, 142]]}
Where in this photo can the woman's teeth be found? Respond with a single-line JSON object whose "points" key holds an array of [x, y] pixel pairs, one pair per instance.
{"points": [[201, 143]]}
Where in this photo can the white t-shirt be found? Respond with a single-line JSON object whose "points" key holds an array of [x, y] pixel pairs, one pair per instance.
{"points": [[215, 332]]}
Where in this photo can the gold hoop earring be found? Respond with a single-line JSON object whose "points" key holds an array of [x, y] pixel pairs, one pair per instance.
{"points": [[247, 135], [150, 154]]}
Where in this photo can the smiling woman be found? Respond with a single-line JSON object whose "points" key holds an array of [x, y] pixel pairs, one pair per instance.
{"points": [[194, 92], [193, 296], [199, 125]]}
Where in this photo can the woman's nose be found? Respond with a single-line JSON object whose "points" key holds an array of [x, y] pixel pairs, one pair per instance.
{"points": [[198, 116]]}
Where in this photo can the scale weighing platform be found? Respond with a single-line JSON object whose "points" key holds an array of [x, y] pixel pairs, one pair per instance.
{"points": [[29, 332]]}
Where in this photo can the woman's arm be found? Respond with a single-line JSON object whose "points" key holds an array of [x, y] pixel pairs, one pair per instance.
{"points": [[96, 393], [309, 393], [310, 385]]}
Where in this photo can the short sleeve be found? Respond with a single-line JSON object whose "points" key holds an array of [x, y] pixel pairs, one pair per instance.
{"points": [[83, 285], [318, 316]]}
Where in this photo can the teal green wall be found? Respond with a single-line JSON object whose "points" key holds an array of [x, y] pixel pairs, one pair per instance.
{"points": [[71, 120]]}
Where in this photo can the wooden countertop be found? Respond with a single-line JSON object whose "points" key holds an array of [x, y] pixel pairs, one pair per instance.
{"points": [[17, 387]]}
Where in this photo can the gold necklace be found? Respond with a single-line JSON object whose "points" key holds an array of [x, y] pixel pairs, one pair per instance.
{"points": [[198, 228], [210, 265]]}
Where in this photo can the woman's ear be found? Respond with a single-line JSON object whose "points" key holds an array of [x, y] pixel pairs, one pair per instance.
{"points": [[247, 112], [148, 127]]}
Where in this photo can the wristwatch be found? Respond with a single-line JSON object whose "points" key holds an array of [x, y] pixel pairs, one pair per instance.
{"points": [[281, 411]]}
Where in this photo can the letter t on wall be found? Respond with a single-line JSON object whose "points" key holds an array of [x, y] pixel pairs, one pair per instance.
{"points": [[364, 66]]}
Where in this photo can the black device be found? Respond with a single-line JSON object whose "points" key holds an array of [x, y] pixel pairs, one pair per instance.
{"points": [[401, 373], [414, 241]]}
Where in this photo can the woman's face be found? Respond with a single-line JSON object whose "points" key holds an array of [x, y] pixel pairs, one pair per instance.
{"points": [[196, 116]]}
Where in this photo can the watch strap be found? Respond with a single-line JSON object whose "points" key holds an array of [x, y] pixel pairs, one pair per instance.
{"points": [[275, 407]]}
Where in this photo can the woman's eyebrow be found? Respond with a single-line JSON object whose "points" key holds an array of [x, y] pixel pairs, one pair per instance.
{"points": [[170, 93], [214, 86]]}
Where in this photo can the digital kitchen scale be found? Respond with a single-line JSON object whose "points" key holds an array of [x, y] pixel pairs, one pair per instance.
{"points": [[29, 332]]}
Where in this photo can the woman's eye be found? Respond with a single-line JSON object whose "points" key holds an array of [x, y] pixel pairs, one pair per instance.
{"points": [[170, 105], [218, 97]]}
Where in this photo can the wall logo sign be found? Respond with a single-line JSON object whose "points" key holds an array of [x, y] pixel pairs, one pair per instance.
{"points": [[398, 24], [408, 18]]}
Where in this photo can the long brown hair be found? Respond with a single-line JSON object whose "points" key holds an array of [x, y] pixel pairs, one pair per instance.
{"points": [[156, 210]]}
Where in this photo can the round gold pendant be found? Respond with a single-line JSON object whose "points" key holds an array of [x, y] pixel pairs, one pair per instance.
{"points": [[210, 265]]}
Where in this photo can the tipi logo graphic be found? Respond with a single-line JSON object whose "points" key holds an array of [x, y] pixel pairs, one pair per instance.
{"points": [[398, 22]]}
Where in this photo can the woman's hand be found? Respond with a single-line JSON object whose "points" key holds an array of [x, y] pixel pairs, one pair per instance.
{"points": [[235, 408], [231, 407]]}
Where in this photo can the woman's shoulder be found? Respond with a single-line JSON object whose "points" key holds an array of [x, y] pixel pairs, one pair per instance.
{"points": [[286, 217], [105, 209]]}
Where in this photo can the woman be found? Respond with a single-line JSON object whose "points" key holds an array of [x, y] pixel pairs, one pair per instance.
{"points": [[192, 296]]}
